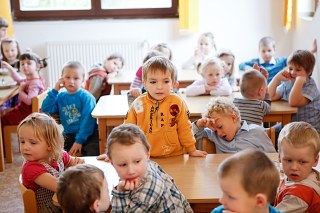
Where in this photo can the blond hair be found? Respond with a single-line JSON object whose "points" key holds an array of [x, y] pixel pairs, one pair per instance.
{"points": [[212, 61], [251, 81], [221, 105], [257, 172], [45, 128], [211, 37], [266, 41], [226, 52], [300, 134], [74, 65]]}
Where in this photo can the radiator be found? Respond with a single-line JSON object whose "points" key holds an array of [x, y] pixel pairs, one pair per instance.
{"points": [[90, 52]]}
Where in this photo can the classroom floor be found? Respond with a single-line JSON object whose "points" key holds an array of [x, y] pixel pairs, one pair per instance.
{"points": [[10, 197]]}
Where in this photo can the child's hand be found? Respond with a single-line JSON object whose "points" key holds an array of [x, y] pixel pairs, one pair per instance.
{"points": [[211, 124], [103, 157], [59, 84], [75, 149], [314, 46], [22, 86], [198, 153], [261, 69], [128, 184], [7, 66], [135, 92], [283, 75], [301, 79]]}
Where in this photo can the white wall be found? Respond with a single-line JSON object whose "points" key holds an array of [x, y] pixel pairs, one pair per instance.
{"points": [[237, 25]]}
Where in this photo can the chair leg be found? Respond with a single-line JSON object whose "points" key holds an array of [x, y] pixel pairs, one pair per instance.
{"points": [[7, 130]]}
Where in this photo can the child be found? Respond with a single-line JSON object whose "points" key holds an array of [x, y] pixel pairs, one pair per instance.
{"points": [[161, 114], [30, 86], [299, 146], [206, 48], [83, 188], [255, 102], [224, 128], [298, 88], [97, 82], [3, 30], [74, 106], [41, 145], [144, 186], [213, 82], [249, 182], [136, 87], [227, 57]]}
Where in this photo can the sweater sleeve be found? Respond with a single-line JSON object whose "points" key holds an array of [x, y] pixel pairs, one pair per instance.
{"points": [[33, 90], [49, 104], [243, 65], [95, 87], [224, 88], [196, 88], [291, 203]]}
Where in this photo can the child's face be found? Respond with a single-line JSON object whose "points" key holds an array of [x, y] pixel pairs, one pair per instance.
{"points": [[296, 70], [227, 63], [32, 148], [158, 84], [104, 202], [266, 52], [212, 75], [72, 79], [130, 161], [297, 162], [113, 65], [29, 68], [234, 197], [3, 32], [10, 51], [205, 45], [226, 125]]}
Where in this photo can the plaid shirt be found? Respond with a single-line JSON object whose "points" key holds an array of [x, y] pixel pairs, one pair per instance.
{"points": [[157, 193]]}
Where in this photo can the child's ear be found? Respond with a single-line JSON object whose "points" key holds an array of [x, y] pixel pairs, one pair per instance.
{"points": [[95, 206], [148, 157], [316, 161], [175, 85], [261, 200], [234, 118]]}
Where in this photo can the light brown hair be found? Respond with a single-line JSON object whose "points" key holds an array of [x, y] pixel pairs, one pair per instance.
{"points": [[267, 41], [9, 41], [74, 65], [251, 81], [226, 52]]}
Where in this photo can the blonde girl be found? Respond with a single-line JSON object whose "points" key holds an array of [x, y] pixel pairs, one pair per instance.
{"points": [[228, 58], [206, 48], [41, 145], [30, 86], [212, 82]]}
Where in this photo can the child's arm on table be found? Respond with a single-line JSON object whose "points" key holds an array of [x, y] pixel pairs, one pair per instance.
{"points": [[48, 181], [296, 98], [275, 82], [74, 161]]}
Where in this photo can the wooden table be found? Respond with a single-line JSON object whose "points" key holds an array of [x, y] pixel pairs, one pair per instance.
{"points": [[5, 94], [110, 111], [123, 80]]}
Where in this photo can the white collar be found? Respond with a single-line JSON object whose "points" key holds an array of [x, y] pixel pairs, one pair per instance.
{"points": [[272, 61]]}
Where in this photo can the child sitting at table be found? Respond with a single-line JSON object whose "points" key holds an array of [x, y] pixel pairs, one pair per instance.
{"points": [[221, 124], [212, 82], [296, 86], [162, 115], [249, 182], [255, 102], [74, 106], [299, 146], [144, 186], [97, 82], [41, 145], [83, 188]]}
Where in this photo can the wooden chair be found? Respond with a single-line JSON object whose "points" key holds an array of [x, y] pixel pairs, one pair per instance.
{"points": [[36, 103], [29, 198], [210, 147]]}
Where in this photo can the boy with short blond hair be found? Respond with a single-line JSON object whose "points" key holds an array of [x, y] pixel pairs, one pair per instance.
{"points": [[299, 146], [221, 124], [144, 186], [249, 182], [162, 115], [255, 102]]}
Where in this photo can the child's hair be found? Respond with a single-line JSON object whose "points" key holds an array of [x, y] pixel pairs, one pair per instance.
{"points": [[209, 35], [9, 41], [303, 58], [162, 47], [3, 22], [266, 41], [74, 65], [209, 62], [300, 134], [251, 81], [157, 63], [221, 105], [226, 52], [45, 128], [151, 54], [126, 134], [257, 172], [78, 188], [116, 56], [34, 57]]}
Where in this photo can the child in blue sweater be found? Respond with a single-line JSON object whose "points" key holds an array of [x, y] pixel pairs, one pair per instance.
{"points": [[74, 106]]}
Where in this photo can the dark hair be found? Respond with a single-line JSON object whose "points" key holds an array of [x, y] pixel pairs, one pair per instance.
{"points": [[116, 56], [9, 41], [3, 22], [303, 58], [34, 57]]}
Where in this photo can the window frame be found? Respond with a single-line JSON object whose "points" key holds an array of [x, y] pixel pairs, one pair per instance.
{"points": [[94, 13]]}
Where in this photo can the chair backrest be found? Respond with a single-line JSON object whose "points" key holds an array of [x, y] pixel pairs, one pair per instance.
{"points": [[271, 132], [29, 198], [37, 101]]}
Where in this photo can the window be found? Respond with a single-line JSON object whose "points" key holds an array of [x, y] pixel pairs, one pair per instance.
{"points": [[92, 9], [307, 8]]}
